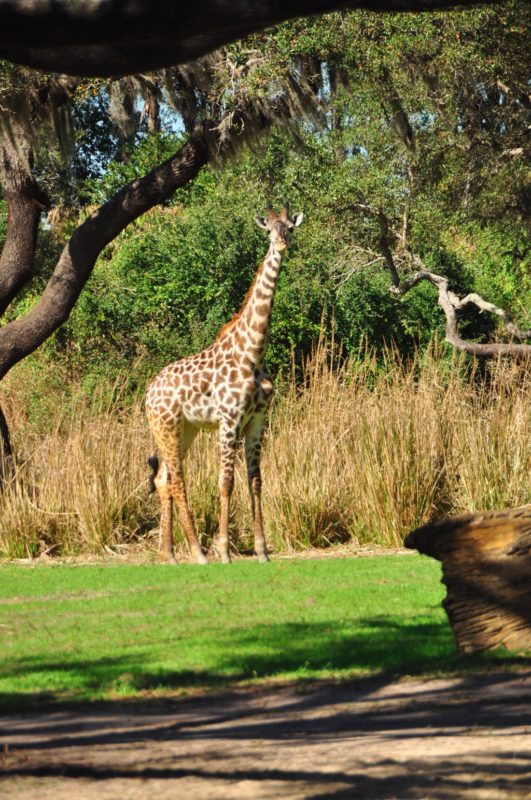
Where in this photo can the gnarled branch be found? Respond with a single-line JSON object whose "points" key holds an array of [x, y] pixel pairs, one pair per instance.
{"points": [[447, 300], [451, 303]]}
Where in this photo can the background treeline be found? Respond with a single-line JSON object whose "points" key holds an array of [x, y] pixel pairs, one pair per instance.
{"points": [[420, 118], [425, 118]]}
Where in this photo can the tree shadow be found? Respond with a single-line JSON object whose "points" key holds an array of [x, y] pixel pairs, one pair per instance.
{"points": [[402, 779], [303, 651], [200, 742], [214, 739]]}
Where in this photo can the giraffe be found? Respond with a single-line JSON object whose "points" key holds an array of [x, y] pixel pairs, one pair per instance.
{"points": [[224, 387]]}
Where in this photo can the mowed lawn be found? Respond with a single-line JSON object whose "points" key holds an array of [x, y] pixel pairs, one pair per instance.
{"points": [[101, 631]]}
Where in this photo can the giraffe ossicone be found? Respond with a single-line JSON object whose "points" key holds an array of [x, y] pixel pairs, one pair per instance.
{"points": [[226, 387]]}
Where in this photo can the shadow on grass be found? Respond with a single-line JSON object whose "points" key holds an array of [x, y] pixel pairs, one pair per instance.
{"points": [[295, 651]]}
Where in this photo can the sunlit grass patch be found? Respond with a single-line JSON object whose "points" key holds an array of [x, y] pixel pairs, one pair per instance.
{"points": [[105, 631]]}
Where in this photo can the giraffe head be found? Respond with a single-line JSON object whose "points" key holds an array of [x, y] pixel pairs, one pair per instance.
{"points": [[280, 226]]}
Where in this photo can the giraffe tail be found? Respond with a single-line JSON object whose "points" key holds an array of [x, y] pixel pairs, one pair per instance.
{"points": [[153, 462]]}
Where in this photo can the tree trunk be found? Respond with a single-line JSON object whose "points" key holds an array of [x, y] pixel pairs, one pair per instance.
{"points": [[6, 452], [22, 336], [25, 202], [486, 564]]}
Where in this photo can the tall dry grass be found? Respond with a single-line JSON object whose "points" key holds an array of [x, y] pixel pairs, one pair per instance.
{"points": [[368, 453], [361, 453], [80, 484]]}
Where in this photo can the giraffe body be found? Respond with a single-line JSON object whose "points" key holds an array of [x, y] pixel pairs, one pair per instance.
{"points": [[224, 387]]}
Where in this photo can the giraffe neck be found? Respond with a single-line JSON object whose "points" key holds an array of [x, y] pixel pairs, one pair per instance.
{"points": [[251, 329]]}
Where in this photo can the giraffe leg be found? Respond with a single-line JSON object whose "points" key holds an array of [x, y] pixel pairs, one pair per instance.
{"points": [[173, 441], [228, 443], [253, 446], [178, 489], [166, 502]]}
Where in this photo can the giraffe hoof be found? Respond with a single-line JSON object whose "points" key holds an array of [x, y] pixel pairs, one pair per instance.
{"points": [[263, 558], [226, 559], [201, 558], [170, 559]]}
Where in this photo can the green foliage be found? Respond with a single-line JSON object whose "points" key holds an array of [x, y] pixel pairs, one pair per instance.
{"points": [[97, 146], [135, 161], [498, 259], [167, 285], [424, 119]]}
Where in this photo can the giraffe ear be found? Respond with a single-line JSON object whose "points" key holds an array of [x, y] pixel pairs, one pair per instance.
{"points": [[297, 218], [261, 222]]}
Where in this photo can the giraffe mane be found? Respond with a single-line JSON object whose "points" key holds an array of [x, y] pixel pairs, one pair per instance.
{"points": [[236, 316], [272, 215]]}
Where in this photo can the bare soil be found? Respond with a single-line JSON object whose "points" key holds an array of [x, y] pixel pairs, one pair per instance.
{"points": [[464, 737], [147, 552]]}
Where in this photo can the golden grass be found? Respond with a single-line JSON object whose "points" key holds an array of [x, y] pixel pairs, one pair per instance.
{"points": [[362, 453]]}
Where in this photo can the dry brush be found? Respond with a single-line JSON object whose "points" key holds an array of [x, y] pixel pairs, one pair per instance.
{"points": [[359, 452]]}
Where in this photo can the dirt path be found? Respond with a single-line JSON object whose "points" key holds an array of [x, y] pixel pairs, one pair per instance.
{"points": [[457, 738]]}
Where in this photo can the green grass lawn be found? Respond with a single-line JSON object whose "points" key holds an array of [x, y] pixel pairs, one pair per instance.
{"points": [[101, 631]]}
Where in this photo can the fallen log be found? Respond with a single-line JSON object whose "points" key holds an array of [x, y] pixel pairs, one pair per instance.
{"points": [[486, 566]]}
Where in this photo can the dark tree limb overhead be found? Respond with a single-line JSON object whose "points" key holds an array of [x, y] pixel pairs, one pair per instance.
{"points": [[120, 37]]}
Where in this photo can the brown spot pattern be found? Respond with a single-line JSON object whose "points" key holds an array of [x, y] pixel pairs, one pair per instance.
{"points": [[224, 387]]}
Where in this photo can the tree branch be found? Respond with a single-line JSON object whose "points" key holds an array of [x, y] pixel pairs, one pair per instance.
{"points": [[398, 118], [484, 305], [122, 37], [447, 300], [22, 336], [383, 238], [450, 304]]}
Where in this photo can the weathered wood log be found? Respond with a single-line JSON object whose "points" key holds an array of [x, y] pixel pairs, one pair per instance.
{"points": [[486, 564]]}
